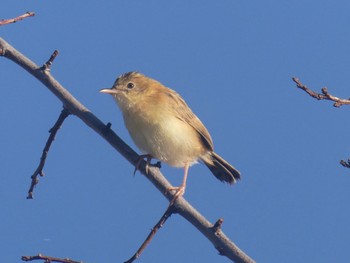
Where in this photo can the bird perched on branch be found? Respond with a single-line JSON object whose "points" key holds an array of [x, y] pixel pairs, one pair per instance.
{"points": [[164, 127]]}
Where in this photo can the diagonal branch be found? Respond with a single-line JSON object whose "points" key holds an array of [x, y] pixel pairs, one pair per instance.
{"points": [[220, 241], [18, 18]]}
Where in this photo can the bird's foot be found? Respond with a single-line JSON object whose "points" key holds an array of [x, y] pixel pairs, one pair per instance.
{"points": [[148, 158], [180, 191]]}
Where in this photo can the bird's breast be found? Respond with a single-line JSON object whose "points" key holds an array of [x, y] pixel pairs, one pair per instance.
{"points": [[164, 136]]}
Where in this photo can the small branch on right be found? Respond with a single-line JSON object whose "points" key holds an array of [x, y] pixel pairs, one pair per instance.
{"points": [[346, 164], [324, 96]]}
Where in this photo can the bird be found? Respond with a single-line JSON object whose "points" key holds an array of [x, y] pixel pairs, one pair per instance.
{"points": [[164, 127]]}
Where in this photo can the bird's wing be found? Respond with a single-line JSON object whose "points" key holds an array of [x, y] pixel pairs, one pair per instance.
{"points": [[185, 114]]}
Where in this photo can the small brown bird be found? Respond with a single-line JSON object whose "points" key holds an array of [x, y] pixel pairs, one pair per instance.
{"points": [[164, 127]]}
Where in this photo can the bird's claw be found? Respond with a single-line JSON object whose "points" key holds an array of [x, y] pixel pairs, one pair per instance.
{"points": [[180, 191], [148, 158]]}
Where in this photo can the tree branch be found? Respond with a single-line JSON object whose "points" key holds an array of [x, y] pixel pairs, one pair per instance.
{"points": [[18, 18], [324, 96], [49, 259], [170, 210], [39, 170], [344, 163], [220, 241]]}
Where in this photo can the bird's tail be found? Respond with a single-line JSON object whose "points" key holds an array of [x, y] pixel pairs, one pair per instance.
{"points": [[222, 170]]}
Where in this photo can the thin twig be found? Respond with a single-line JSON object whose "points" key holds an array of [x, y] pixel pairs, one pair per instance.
{"points": [[18, 18], [47, 65], [170, 210], [324, 96], [217, 226], [39, 170], [346, 164], [49, 259]]}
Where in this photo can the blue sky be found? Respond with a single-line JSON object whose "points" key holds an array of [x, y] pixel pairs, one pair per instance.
{"points": [[232, 61]]}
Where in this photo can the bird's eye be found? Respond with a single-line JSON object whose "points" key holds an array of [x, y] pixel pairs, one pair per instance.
{"points": [[130, 85]]}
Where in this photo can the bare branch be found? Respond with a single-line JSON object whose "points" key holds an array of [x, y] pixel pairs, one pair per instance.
{"points": [[217, 225], [170, 210], [218, 239], [346, 164], [324, 96], [18, 18], [39, 170], [47, 65], [49, 259]]}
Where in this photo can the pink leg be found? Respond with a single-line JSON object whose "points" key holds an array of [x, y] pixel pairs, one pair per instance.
{"points": [[180, 191]]}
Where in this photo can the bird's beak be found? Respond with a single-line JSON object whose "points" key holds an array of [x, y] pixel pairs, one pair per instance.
{"points": [[109, 91]]}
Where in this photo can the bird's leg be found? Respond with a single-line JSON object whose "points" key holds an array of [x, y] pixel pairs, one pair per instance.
{"points": [[180, 190], [140, 159]]}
